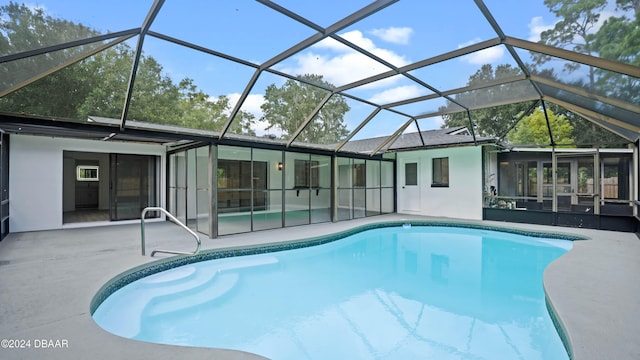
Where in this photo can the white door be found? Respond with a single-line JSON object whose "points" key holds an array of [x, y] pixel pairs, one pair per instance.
{"points": [[409, 194]]}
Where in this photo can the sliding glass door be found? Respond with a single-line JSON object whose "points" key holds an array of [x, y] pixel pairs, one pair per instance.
{"points": [[132, 185]]}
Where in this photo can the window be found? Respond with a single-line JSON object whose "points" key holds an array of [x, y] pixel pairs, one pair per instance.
{"points": [[440, 172], [411, 174], [306, 174], [359, 175], [87, 173]]}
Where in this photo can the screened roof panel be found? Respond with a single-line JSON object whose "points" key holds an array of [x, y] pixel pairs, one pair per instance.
{"points": [[251, 109], [323, 129], [592, 79], [323, 13], [521, 19], [407, 31], [196, 91], [497, 95], [390, 61], [234, 28], [426, 108], [484, 119], [48, 27], [103, 88], [476, 69], [287, 102], [598, 107], [389, 90], [528, 19], [430, 123], [17, 72], [627, 134], [384, 123], [337, 63], [569, 129]]}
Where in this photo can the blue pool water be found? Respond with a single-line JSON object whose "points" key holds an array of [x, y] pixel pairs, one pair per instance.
{"points": [[391, 293]]}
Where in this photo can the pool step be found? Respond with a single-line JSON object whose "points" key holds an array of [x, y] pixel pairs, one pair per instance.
{"points": [[169, 277], [219, 279], [220, 285]]}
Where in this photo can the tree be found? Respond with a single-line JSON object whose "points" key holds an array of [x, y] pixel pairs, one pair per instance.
{"points": [[97, 85], [619, 39], [200, 111], [286, 107], [586, 133], [627, 5], [23, 29], [491, 121], [573, 30], [533, 130]]}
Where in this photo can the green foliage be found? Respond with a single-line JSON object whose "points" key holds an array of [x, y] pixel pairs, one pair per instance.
{"points": [[533, 130], [586, 133], [573, 30], [619, 39], [627, 5], [490, 121], [286, 108], [23, 29], [575, 24], [97, 85]]}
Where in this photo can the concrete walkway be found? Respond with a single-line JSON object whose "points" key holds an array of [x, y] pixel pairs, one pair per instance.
{"points": [[47, 281]]}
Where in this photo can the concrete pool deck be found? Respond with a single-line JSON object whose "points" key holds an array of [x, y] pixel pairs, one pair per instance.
{"points": [[48, 279]]}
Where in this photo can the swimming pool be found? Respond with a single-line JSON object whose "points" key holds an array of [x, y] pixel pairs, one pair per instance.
{"points": [[420, 292]]}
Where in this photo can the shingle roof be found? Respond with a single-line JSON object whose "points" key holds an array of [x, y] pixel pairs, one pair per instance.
{"points": [[455, 136]]}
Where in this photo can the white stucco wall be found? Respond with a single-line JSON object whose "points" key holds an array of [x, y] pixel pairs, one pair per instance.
{"points": [[36, 174], [462, 199]]}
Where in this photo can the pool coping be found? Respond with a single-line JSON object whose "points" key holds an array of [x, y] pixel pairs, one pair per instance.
{"points": [[160, 265]]}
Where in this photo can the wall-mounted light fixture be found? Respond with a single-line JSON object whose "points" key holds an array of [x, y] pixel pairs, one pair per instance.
{"points": [[279, 166]]}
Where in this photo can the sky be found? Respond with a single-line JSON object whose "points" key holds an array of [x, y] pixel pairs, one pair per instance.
{"points": [[403, 33]]}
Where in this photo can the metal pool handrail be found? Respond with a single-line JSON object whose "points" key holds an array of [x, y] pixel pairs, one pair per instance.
{"points": [[177, 222]]}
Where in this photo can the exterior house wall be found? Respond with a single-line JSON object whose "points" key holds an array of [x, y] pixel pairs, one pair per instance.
{"points": [[36, 177], [462, 199]]}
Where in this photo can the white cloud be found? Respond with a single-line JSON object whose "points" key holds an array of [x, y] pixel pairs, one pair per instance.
{"points": [[396, 35], [339, 64], [251, 104], [536, 27], [486, 56], [397, 94]]}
